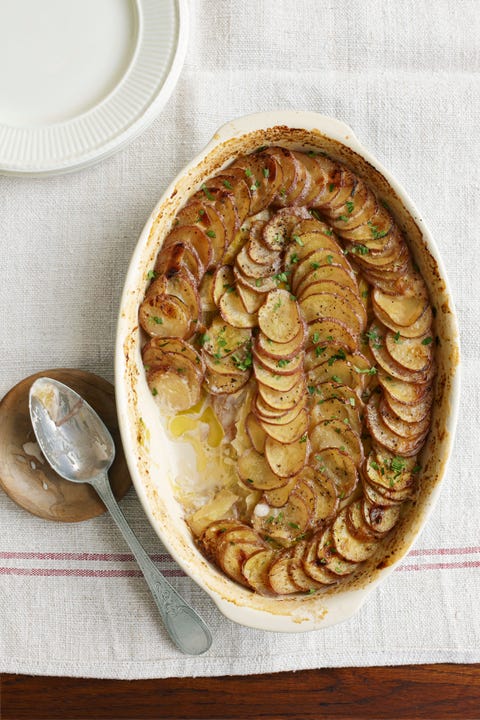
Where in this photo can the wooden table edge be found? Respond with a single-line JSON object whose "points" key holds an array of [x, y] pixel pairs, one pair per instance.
{"points": [[443, 692]]}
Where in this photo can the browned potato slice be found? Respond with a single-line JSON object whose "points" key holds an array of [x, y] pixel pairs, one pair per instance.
{"points": [[286, 460], [176, 384], [153, 352], [324, 489], [335, 434], [276, 417], [385, 437], [339, 467], [251, 269], [316, 177], [307, 266], [300, 187], [233, 364], [278, 351], [347, 545], [345, 186], [257, 285], [194, 238], [222, 281], [282, 400], [372, 492], [280, 366], [232, 553], [287, 432], [328, 272], [205, 292], [304, 582], [412, 353], [279, 317], [356, 523], [331, 305], [309, 242], [279, 496], [212, 534], [388, 472], [222, 339], [410, 413], [224, 204], [257, 251], [312, 224], [174, 256], [179, 284], [330, 184], [280, 383], [277, 231], [222, 384], [255, 570], [325, 353], [408, 393], [252, 300], [256, 433], [328, 390], [331, 286], [371, 226], [331, 330], [343, 372], [232, 311], [209, 220], [400, 427], [165, 316], [290, 167], [335, 409], [235, 183], [417, 329], [284, 524], [263, 175], [255, 472], [279, 577], [314, 567], [403, 310], [380, 519], [330, 559], [389, 365], [357, 210]]}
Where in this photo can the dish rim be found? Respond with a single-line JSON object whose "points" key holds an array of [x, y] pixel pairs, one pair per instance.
{"points": [[346, 603]]}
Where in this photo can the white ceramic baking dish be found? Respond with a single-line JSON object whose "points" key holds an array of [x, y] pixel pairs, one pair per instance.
{"points": [[154, 460]]}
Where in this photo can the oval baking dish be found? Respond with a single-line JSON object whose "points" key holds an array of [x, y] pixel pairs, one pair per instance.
{"points": [[154, 460]]}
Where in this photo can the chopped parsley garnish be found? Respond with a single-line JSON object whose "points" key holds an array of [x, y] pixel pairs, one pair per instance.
{"points": [[266, 172], [336, 379], [281, 277], [315, 337], [151, 275], [376, 233], [298, 240], [350, 205], [365, 293], [328, 232], [331, 187], [207, 192], [248, 172], [359, 250], [374, 336], [243, 364], [319, 350], [202, 339], [283, 363], [365, 371], [396, 338], [311, 389], [258, 282], [427, 341], [314, 265], [294, 525], [294, 259], [329, 259], [303, 438], [211, 233], [228, 184], [154, 391], [157, 320], [340, 355]]}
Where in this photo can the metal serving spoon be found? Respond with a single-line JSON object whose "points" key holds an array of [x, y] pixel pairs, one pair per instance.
{"points": [[79, 447]]}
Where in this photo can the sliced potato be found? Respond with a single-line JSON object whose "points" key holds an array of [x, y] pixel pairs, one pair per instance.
{"points": [[276, 417], [315, 568], [390, 366], [255, 570], [193, 237], [388, 439], [176, 384], [285, 524], [307, 265], [279, 496], [165, 316], [298, 576], [282, 399], [257, 285], [335, 434], [213, 532], [278, 383], [153, 352], [255, 472], [400, 427], [233, 312], [317, 177], [410, 413], [403, 310], [330, 184], [256, 433], [339, 467], [234, 183], [252, 269], [286, 460], [280, 366], [222, 339], [209, 220], [174, 256], [223, 280], [205, 292], [288, 432], [279, 351], [347, 545], [224, 384], [221, 506], [412, 353], [279, 577], [328, 272], [335, 306], [357, 525], [330, 559], [251, 299], [331, 330], [277, 231], [263, 175], [335, 409], [380, 519], [279, 317], [418, 329], [409, 393]]}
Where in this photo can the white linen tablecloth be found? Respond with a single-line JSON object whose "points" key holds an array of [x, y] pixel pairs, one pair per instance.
{"points": [[405, 75]]}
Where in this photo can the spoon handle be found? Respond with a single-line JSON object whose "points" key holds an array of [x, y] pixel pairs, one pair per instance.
{"points": [[185, 627]]}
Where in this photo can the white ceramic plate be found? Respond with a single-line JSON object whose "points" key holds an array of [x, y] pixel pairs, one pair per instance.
{"points": [[81, 78], [154, 461]]}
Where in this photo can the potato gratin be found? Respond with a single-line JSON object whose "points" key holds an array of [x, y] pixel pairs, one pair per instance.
{"points": [[286, 314]]}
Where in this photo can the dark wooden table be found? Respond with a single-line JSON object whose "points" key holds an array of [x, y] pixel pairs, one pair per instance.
{"points": [[432, 692]]}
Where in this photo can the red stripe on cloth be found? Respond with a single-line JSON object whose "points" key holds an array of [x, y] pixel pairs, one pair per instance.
{"points": [[445, 551], [440, 566], [82, 572], [100, 557]]}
